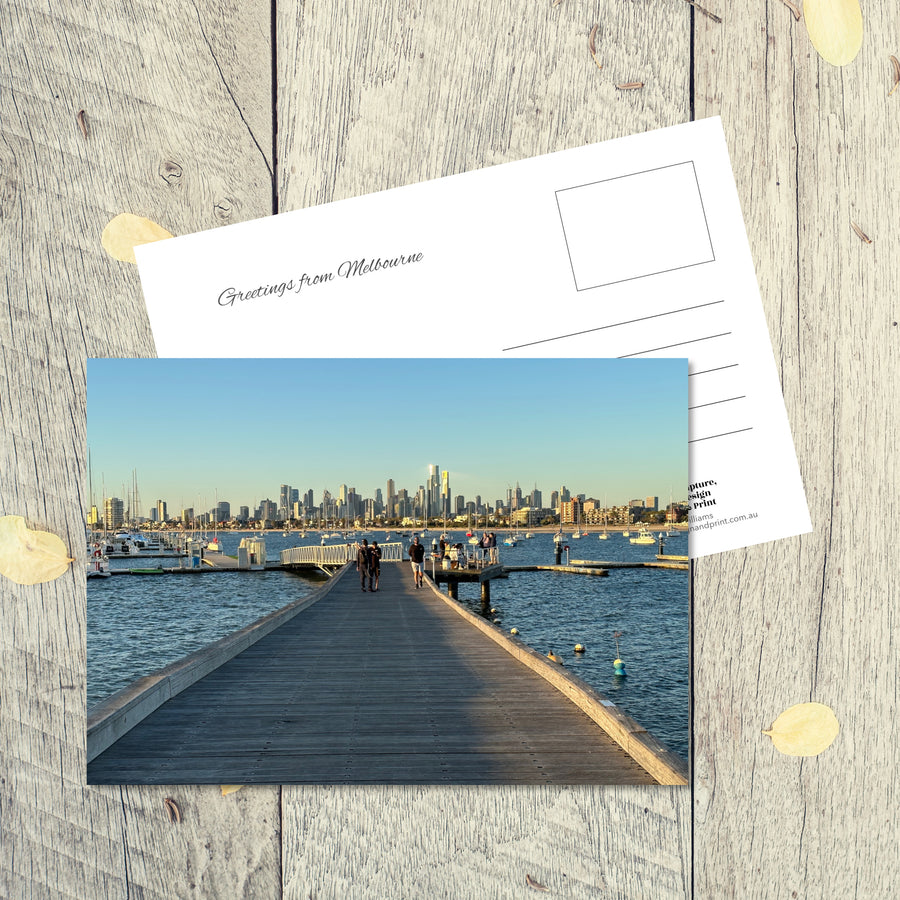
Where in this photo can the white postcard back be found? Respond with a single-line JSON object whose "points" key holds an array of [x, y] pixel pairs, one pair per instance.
{"points": [[628, 248]]}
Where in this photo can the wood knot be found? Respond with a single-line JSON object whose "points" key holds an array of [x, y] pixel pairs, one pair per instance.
{"points": [[223, 209], [170, 172]]}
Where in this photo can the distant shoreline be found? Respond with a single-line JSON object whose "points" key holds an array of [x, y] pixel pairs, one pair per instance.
{"points": [[534, 529]]}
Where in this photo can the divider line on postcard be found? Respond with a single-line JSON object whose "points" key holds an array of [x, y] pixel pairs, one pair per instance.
{"points": [[723, 434], [708, 337], [714, 402], [559, 337]]}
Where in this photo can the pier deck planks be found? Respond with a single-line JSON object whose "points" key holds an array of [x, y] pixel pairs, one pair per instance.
{"points": [[363, 688]]}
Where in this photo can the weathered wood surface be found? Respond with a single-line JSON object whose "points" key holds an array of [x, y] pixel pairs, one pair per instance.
{"points": [[165, 139], [390, 687], [178, 106], [813, 618]]}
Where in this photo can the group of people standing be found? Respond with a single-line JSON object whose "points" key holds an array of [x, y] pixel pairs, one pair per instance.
{"points": [[368, 564], [488, 543], [368, 558]]}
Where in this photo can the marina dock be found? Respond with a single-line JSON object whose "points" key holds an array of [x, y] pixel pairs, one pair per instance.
{"points": [[399, 686], [608, 564]]}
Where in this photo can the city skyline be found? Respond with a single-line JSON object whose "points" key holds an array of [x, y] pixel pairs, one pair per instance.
{"points": [[191, 429]]}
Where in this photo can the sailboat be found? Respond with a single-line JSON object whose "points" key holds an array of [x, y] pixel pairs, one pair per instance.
{"points": [[604, 535], [214, 546], [577, 532]]}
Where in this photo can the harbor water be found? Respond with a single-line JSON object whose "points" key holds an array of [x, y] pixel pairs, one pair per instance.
{"points": [[137, 624]]}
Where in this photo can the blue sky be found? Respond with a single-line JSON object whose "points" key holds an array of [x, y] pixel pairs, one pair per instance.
{"points": [[606, 428]]}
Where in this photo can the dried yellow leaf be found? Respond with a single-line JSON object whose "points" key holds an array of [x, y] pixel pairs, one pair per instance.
{"points": [[30, 557], [230, 789], [173, 810], [835, 28], [804, 730], [126, 231], [532, 883]]}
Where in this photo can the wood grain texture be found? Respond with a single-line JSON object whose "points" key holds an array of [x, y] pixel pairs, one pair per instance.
{"points": [[812, 618], [385, 96], [177, 103], [164, 140], [382, 96]]}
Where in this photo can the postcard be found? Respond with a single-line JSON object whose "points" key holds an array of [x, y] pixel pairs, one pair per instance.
{"points": [[629, 248], [297, 583]]}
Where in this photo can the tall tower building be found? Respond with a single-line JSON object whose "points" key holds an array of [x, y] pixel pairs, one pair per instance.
{"points": [[113, 513], [445, 493], [162, 514], [433, 495], [284, 502]]}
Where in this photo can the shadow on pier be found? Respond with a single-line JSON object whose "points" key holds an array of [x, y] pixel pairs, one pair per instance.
{"points": [[382, 688]]}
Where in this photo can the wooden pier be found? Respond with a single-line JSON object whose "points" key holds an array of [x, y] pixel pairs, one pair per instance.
{"points": [[399, 686], [607, 564]]}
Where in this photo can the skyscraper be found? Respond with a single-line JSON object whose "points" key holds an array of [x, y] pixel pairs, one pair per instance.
{"points": [[113, 513], [445, 493], [284, 502], [162, 514], [433, 494]]}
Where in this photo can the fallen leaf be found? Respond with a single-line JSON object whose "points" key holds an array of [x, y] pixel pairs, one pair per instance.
{"points": [[534, 884], [230, 789], [592, 46], [30, 557], [127, 231], [835, 28], [706, 12], [173, 810], [804, 730], [860, 233], [896, 64]]}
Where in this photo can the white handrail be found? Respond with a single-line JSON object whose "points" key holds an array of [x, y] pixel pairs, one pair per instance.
{"points": [[335, 554]]}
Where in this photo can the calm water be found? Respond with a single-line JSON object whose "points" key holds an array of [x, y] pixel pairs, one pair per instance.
{"points": [[136, 625]]}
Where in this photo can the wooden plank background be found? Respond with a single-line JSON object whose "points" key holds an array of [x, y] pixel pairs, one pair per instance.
{"points": [[181, 105]]}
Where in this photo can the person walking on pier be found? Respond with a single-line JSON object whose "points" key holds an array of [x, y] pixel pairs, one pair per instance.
{"points": [[374, 565], [417, 557], [363, 564]]}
